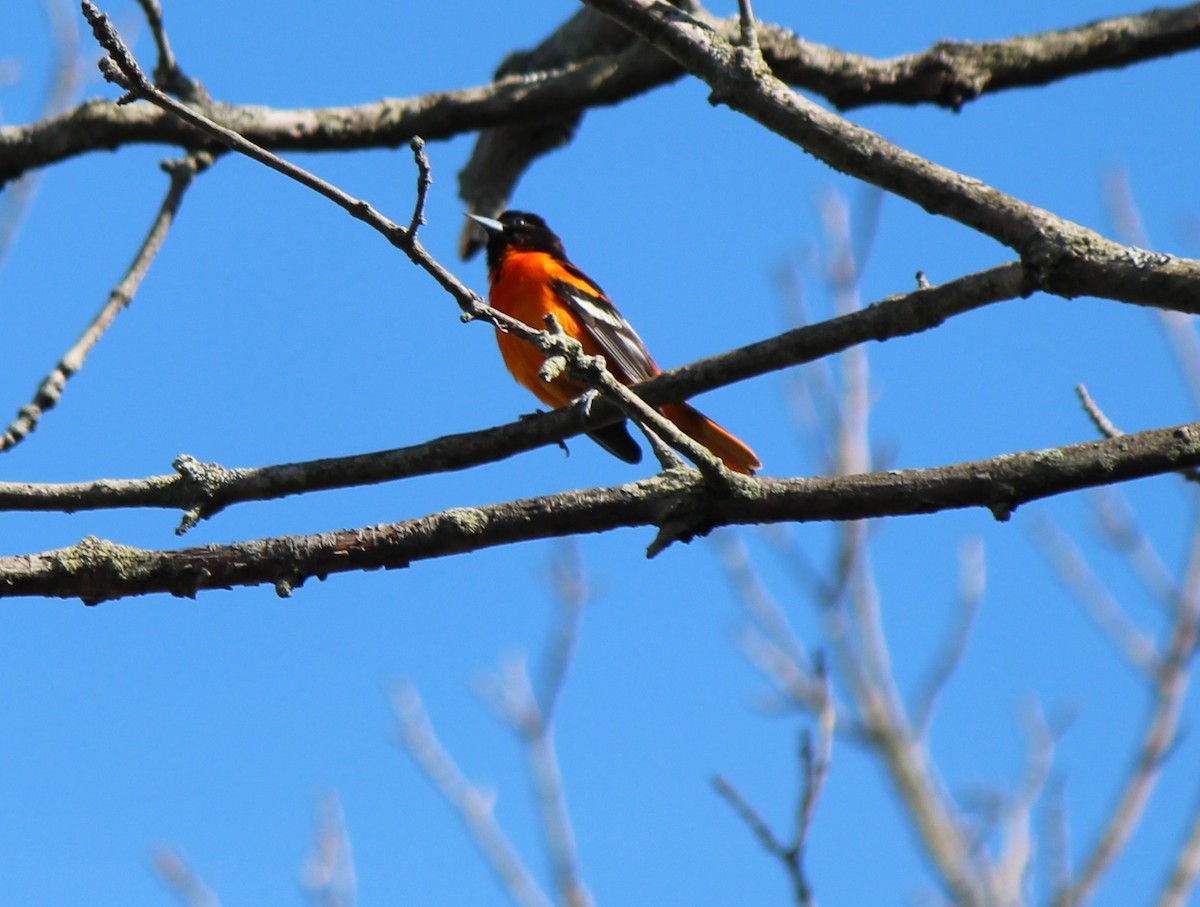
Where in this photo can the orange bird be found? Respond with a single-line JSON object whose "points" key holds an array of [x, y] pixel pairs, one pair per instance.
{"points": [[530, 277]]}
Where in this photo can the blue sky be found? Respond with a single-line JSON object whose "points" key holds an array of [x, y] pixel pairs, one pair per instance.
{"points": [[273, 328]]}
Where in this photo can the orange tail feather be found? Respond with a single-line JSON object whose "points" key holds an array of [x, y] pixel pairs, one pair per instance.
{"points": [[732, 452]]}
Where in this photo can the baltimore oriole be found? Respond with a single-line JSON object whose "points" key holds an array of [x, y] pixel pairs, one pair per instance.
{"points": [[530, 277]]}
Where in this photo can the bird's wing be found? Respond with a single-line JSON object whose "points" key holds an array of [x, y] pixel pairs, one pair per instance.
{"points": [[623, 349]]}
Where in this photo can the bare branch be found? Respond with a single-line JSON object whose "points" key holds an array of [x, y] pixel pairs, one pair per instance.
{"points": [[177, 877], [971, 583], [947, 74], [204, 489], [1179, 329], [471, 805], [816, 758], [747, 29], [814, 764], [167, 73], [512, 697], [1015, 861], [772, 647], [951, 73], [1096, 414], [328, 876], [1108, 615], [1120, 529], [532, 718], [853, 627], [570, 585], [424, 181], [1182, 879], [750, 816], [65, 85], [1167, 692], [1105, 426], [762, 607], [95, 570], [1061, 257], [49, 392]]}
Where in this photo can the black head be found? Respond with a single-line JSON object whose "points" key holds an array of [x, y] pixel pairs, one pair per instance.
{"points": [[521, 231]]}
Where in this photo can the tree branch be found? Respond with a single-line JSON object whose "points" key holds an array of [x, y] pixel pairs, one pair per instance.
{"points": [[1182, 878], [95, 570], [204, 489], [947, 74], [951, 73], [1061, 257], [1168, 688], [471, 804], [49, 392]]}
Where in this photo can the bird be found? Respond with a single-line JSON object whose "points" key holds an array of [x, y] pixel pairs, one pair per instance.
{"points": [[529, 278]]}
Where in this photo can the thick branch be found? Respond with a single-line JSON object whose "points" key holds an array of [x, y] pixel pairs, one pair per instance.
{"points": [[1061, 257], [951, 73], [96, 570], [948, 74]]}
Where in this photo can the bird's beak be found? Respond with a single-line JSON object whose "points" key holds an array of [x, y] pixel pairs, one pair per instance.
{"points": [[488, 223]]}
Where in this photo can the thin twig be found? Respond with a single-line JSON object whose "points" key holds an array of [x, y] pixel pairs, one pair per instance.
{"points": [[747, 28], [1168, 687], [971, 583], [770, 644], [1056, 837], [532, 718], [1106, 427], [67, 69], [1010, 874], [814, 759], [809, 394], [470, 804], [1096, 414], [167, 73], [424, 181], [328, 877], [49, 392], [750, 816], [1121, 531], [758, 601], [1181, 880], [1098, 603], [571, 590], [177, 877]]}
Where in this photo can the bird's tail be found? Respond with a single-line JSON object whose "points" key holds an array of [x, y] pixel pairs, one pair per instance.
{"points": [[732, 452]]}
